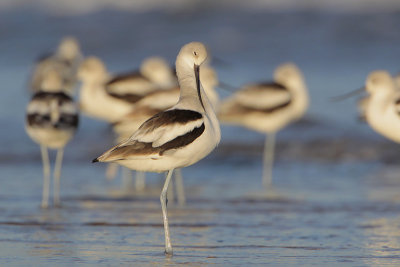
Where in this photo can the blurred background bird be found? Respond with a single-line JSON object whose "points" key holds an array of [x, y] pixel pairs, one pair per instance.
{"points": [[51, 121], [267, 108]]}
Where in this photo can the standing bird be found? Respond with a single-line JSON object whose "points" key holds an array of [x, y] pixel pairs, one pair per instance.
{"points": [[159, 101], [177, 137], [267, 108], [382, 111], [51, 121], [65, 61]]}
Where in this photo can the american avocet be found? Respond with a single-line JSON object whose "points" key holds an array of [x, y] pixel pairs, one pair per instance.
{"points": [[159, 101], [51, 121], [177, 137], [267, 108], [382, 111], [65, 61]]}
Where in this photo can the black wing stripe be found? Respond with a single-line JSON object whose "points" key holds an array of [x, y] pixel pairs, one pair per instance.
{"points": [[272, 85], [131, 98], [44, 96], [125, 76], [143, 148], [242, 109], [66, 121], [180, 116], [183, 140]]}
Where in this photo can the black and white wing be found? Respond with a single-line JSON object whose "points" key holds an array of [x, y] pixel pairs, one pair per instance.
{"points": [[164, 132], [129, 87], [263, 96], [52, 110]]}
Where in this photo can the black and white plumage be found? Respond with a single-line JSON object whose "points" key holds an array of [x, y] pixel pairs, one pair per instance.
{"points": [[51, 121], [65, 61], [267, 108], [162, 134], [175, 138]]}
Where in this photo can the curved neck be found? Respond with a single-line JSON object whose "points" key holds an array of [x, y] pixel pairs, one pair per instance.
{"points": [[193, 96], [190, 85]]}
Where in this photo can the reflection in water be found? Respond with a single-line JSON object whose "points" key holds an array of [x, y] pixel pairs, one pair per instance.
{"points": [[48, 240], [383, 240]]}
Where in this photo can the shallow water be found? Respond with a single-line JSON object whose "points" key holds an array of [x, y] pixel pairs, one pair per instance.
{"points": [[336, 197]]}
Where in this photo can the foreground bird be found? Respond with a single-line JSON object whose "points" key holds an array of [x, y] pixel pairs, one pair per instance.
{"points": [[159, 101], [382, 111], [64, 61], [177, 137], [51, 121], [267, 108]]}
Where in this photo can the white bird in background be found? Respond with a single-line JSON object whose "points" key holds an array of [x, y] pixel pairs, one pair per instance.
{"points": [[159, 101], [51, 121], [177, 137], [65, 61], [383, 109], [110, 98], [267, 108]]}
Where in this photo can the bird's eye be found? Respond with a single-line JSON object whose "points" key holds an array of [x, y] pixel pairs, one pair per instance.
{"points": [[195, 53]]}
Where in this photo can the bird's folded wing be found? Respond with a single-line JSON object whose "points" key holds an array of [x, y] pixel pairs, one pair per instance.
{"points": [[167, 125], [263, 96], [129, 84], [167, 130], [162, 99]]}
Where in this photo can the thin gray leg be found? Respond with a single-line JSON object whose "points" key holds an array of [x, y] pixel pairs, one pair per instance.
{"points": [[46, 177], [57, 176], [111, 171], [163, 200], [268, 160], [126, 178], [171, 193], [140, 181], [180, 189]]}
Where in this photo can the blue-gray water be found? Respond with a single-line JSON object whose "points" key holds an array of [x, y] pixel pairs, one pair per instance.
{"points": [[337, 183]]}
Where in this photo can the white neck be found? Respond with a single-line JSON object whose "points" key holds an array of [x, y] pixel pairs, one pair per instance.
{"points": [[189, 97], [300, 97]]}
